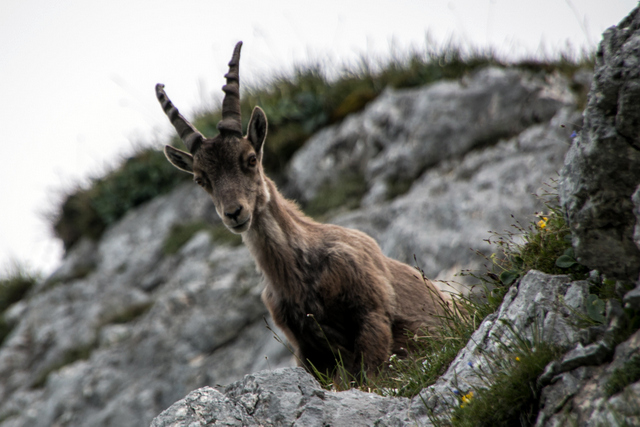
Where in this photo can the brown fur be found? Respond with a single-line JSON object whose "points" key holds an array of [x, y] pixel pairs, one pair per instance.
{"points": [[329, 288]]}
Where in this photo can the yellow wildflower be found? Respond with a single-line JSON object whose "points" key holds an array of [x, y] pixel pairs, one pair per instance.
{"points": [[543, 222], [517, 359], [466, 399]]}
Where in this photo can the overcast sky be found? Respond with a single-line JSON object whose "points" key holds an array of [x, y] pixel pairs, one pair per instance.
{"points": [[77, 76]]}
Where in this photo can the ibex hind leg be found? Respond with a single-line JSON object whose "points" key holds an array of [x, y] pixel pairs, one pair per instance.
{"points": [[373, 344]]}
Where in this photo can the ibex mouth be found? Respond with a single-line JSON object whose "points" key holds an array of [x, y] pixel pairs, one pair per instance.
{"points": [[240, 228]]}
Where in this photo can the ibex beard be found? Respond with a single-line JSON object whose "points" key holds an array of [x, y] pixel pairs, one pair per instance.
{"points": [[330, 289]]}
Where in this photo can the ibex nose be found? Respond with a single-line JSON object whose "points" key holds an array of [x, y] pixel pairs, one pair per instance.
{"points": [[234, 215]]}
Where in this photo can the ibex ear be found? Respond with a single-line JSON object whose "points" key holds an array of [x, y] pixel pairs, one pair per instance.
{"points": [[257, 132], [178, 158]]}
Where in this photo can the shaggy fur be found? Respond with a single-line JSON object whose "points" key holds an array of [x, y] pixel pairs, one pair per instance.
{"points": [[329, 288]]}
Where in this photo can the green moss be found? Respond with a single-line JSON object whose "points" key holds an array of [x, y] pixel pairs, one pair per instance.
{"points": [[397, 187], [344, 193], [129, 313], [72, 355], [14, 286], [221, 235], [5, 329], [621, 377], [182, 233]]}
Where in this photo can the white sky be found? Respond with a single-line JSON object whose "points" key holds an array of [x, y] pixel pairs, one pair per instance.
{"points": [[77, 76]]}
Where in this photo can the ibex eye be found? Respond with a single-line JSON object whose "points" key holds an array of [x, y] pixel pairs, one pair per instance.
{"points": [[199, 181], [253, 161]]}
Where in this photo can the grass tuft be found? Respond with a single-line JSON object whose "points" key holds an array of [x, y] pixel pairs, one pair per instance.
{"points": [[621, 377], [543, 245], [182, 233], [89, 211], [512, 395], [343, 193], [14, 286]]}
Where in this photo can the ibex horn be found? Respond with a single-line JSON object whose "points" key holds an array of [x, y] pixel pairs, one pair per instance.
{"points": [[231, 122], [189, 134]]}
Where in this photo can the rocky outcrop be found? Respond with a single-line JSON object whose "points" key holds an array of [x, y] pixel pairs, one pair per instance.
{"points": [[406, 132], [124, 328], [601, 177], [539, 307]]}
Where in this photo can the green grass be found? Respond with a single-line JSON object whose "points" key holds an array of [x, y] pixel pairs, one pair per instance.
{"points": [[182, 233], [16, 282], [543, 245], [344, 193], [621, 377], [89, 211], [512, 395]]}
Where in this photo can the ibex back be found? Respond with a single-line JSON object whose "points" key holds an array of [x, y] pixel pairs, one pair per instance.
{"points": [[329, 288]]}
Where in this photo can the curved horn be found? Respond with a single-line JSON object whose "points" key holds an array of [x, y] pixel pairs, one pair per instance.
{"points": [[231, 122], [188, 134]]}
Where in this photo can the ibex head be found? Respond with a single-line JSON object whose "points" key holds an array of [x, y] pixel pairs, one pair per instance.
{"points": [[229, 166]]}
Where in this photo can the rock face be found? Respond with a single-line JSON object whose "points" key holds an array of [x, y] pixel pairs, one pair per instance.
{"points": [[406, 132], [123, 329], [602, 169]]}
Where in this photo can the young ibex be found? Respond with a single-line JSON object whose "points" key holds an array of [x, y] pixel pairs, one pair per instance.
{"points": [[329, 288]]}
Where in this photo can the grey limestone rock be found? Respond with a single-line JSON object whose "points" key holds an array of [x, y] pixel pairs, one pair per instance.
{"points": [[284, 397], [139, 329], [602, 169], [452, 207], [404, 132], [579, 396], [539, 307]]}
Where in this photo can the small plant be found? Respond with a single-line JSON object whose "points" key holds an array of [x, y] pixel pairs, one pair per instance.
{"points": [[621, 377], [511, 395], [89, 211], [345, 193], [15, 284], [179, 234], [544, 245]]}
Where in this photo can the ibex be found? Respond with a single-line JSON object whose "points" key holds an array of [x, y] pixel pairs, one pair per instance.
{"points": [[329, 288]]}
